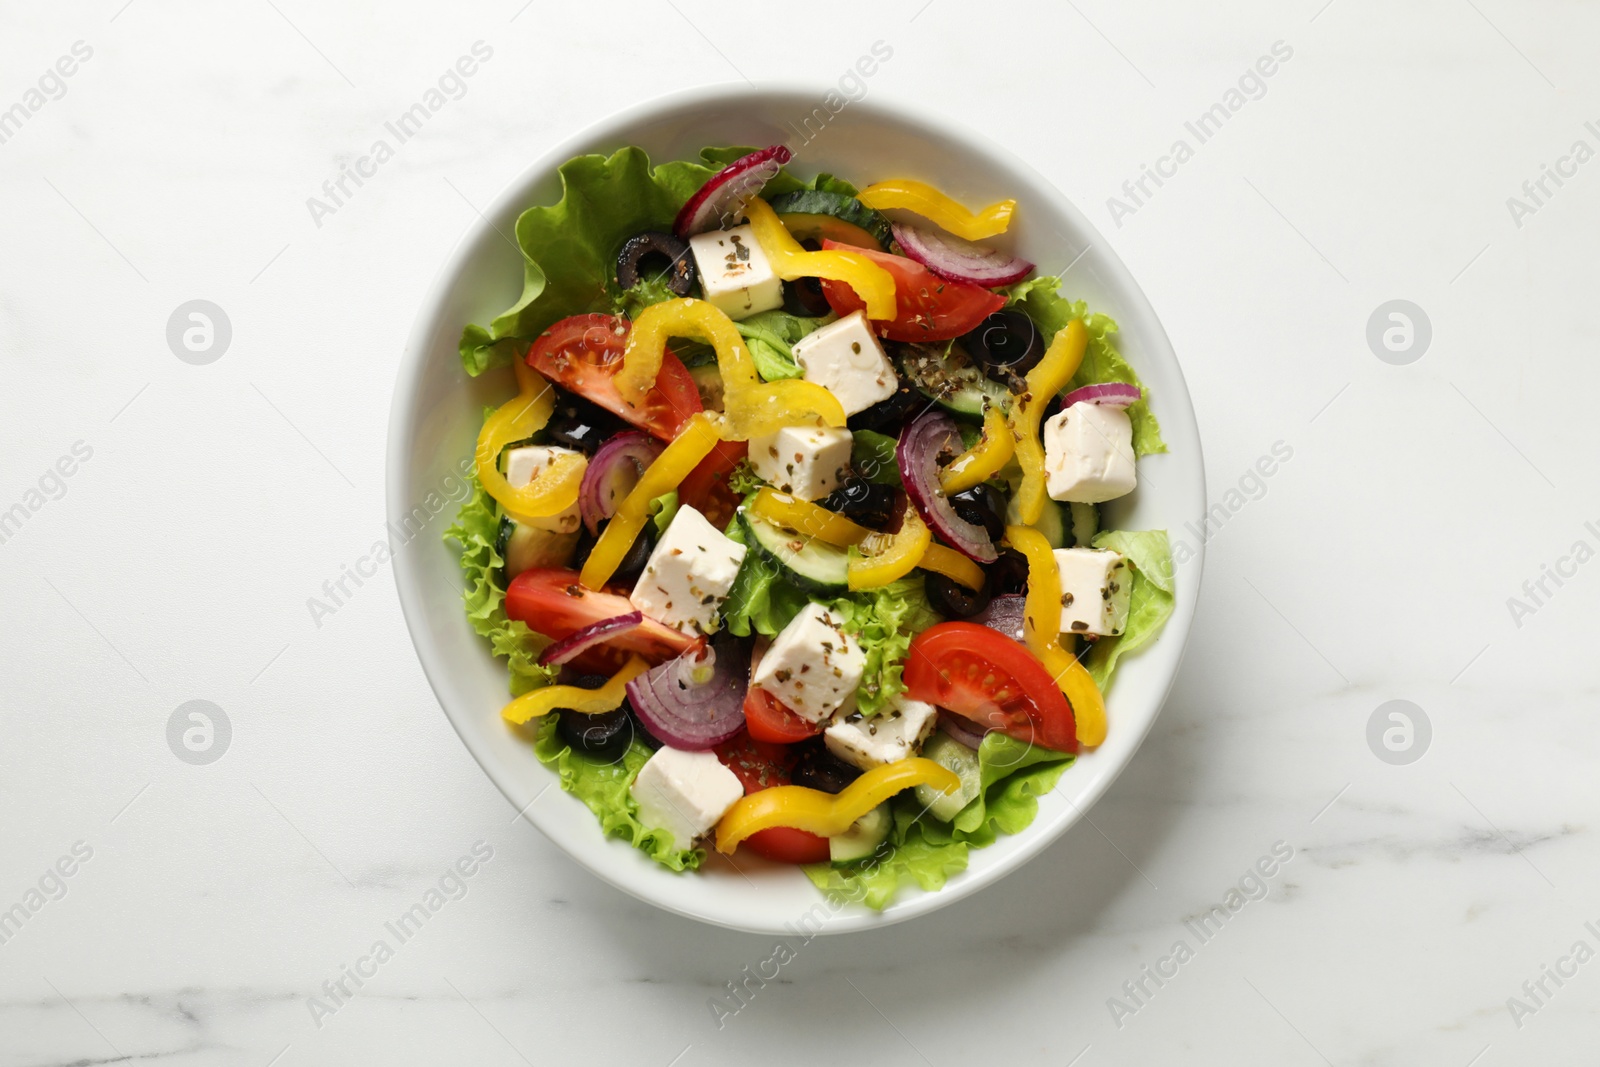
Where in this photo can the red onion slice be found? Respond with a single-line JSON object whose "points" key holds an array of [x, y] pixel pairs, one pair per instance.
{"points": [[1004, 614], [957, 259], [962, 729], [694, 701], [722, 198], [578, 642], [917, 454], [1106, 394], [612, 474]]}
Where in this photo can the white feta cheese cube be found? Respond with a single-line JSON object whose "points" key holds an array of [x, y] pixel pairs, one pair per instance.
{"points": [[813, 666], [735, 275], [1095, 584], [808, 461], [526, 463], [847, 359], [1088, 454], [893, 734], [689, 574], [684, 793]]}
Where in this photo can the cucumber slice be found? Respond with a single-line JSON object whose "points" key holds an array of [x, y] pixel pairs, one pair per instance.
{"points": [[863, 837], [816, 214], [812, 565], [1053, 524], [708, 381], [1055, 521], [524, 547], [1085, 523], [945, 376], [948, 752]]}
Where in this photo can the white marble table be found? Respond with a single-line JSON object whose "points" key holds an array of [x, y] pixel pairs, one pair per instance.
{"points": [[207, 503]]}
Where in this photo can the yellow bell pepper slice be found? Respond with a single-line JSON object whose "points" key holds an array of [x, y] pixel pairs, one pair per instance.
{"points": [[804, 517], [931, 204], [753, 407], [873, 284], [983, 460], [1041, 628], [608, 697], [824, 814], [1051, 375], [693, 444], [556, 488], [647, 345], [951, 564], [886, 557]]}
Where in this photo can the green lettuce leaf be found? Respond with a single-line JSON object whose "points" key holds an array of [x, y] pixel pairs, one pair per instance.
{"points": [[603, 788], [760, 602], [926, 851], [872, 454], [1150, 601], [663, 509], [569, 248], [884, 620], [877, 880], [743, 479], [1040, 299], [771, 336], [650, 290], [1013, 773], [476, 530]]}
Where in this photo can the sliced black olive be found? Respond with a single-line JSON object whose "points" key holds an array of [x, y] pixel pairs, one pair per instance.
{"points": [[1052, 409], [864, 502], [585, 545], [803, 296], [954, 600], [982, 495], [979, 515], [632, 564], [576, 423], [1008, 573], [604, 736], [681, 272], [1007, 345], [889, 415], [817, 768], [981, 506]]}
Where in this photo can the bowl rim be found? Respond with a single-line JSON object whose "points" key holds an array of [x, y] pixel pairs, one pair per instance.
{"points": [[431, 310]]}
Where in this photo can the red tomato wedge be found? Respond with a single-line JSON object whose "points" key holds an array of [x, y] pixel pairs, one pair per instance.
{"points": [[785, 844], [553, 602], [927, 307], [706, 487], [982, 675], [760, 765], [768, 718], [582, 354]]}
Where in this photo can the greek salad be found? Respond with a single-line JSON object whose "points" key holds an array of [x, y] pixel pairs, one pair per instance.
{"points": [[793, 534]]}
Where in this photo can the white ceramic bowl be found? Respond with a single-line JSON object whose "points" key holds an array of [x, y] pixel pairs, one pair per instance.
{"points": [[437, 411]]}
